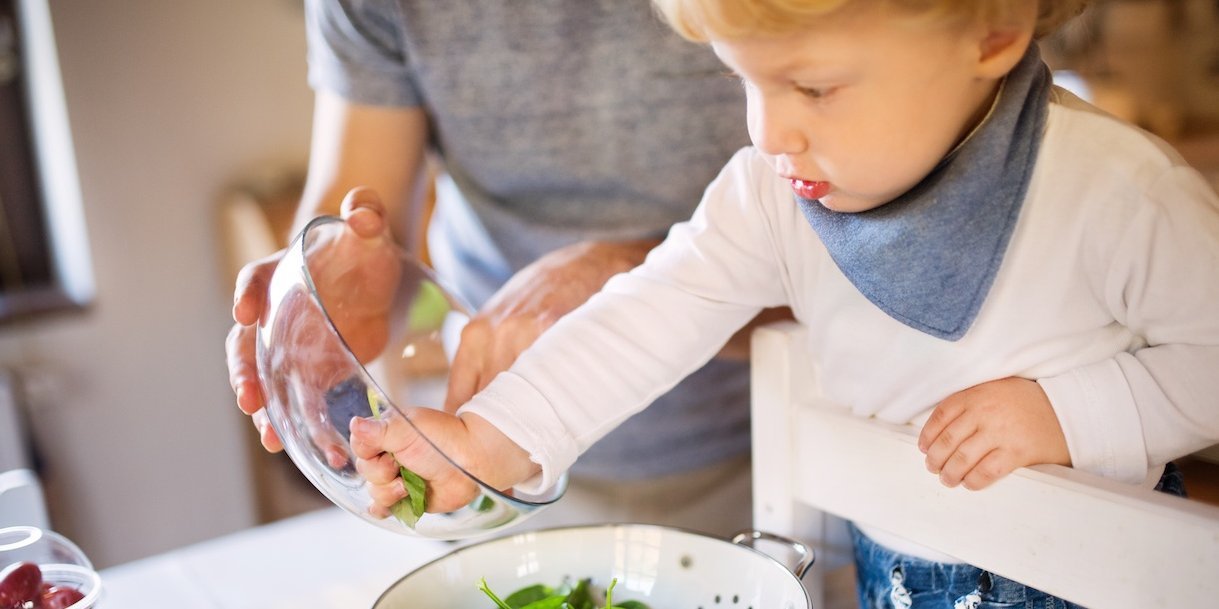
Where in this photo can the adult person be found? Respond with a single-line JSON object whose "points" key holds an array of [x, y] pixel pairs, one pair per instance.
{"points": [[570, 135]]}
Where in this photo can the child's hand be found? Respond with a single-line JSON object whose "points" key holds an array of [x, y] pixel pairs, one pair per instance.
{"points": [[381, 445], [983, 433]]}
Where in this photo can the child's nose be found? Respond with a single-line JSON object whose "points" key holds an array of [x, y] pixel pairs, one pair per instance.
{"points": [[773, 131]]}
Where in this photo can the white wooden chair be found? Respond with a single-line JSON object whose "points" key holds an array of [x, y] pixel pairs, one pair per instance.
{"points": [[1092, 541]]}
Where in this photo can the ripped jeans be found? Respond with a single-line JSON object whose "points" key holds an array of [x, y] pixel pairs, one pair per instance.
{"points": [[889, 580]]}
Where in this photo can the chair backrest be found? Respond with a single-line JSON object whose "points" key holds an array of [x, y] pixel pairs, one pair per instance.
{"points": [[1089, 540], [21, 500]]}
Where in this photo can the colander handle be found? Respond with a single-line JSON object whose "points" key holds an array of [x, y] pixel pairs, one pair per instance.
{"points": [[805, 556]]}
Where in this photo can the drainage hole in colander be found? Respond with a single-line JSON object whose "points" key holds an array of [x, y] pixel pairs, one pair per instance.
{"points": [[736, 598]]}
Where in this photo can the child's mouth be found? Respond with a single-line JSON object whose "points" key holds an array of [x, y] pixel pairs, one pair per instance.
{"points": [[810, 190]]}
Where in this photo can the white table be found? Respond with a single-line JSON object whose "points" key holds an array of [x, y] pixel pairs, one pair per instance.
{"points": [[319, 560]]}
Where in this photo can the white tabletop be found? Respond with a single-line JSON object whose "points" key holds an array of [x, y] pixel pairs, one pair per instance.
{"points": [[320, 560]]}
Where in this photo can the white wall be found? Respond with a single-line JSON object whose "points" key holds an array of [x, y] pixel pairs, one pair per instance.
{"points": [[169, 101]]}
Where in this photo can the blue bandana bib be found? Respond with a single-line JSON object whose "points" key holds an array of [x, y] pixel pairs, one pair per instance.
{"points": [[929, 257]]}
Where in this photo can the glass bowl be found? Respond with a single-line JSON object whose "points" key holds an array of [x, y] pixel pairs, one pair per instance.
{"points": [[353, 328], [61, 563]]}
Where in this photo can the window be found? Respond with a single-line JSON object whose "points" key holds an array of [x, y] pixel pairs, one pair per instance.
{"points": [[44, 263]]}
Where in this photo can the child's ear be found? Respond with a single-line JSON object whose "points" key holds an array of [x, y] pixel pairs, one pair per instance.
{"points": [[1002, 43]]}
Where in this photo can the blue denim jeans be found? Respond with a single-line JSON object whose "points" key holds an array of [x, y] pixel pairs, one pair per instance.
{"points": [[889, 580]]}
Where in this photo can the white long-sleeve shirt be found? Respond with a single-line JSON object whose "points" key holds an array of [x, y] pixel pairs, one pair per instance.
{"points": [[1108, 296]]}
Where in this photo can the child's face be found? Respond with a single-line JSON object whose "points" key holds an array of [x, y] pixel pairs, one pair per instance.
{"points": [[862, 106]]}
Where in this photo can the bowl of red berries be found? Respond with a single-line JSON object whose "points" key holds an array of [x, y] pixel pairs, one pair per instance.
{"points": [[41, 569]]}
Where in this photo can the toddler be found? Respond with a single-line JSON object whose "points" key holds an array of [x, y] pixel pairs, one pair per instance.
{"points": [[971, 249]]}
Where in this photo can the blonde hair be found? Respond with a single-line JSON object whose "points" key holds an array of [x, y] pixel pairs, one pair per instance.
{"points": [[701, 20]]}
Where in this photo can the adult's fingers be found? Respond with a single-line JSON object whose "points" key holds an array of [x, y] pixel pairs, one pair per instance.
{"points": [[466, 369], [317, 419], [250, 290], [364, 212], [239, 350], [266, 433], [511, 339]]}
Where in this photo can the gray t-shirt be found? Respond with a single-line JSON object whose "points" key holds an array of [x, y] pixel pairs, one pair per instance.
{"points": [[557, 121]]}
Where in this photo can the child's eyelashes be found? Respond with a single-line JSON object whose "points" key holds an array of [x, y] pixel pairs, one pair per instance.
{"points": [[816, 92]]}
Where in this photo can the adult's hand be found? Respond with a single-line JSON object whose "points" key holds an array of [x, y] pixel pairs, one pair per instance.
{"points": [[354, 264], [532, 301]]}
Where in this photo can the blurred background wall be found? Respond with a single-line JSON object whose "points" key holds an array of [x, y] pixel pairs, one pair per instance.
{"points": [[170, 102]]}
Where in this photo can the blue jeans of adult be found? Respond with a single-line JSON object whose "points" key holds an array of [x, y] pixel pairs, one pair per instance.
{"points": [[888, 580]]}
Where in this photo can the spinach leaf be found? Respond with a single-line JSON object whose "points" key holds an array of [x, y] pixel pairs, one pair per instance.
{"points": [[482, 504], [581, 596], [540, 596], [534, 593], [553, 602], [416, 488], [532, 597], [410, 509]]}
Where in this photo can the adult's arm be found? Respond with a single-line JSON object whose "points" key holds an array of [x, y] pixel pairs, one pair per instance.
{"points": [[379, 148]]}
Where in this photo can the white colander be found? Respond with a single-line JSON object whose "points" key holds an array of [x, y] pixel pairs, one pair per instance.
{"points": [[666, 568]]}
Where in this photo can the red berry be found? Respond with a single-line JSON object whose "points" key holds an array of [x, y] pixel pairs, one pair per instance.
{"points": [[60, 597], [19, 584]]}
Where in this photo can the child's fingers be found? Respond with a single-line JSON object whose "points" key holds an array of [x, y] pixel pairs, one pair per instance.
{"points": [[381, 469], [948, 441], [944, 414], [996, 464], [378, 511], [965, 459], [371, 437], [386, 495]]}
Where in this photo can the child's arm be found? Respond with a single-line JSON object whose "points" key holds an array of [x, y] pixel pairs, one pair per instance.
{"points": [[609, 358], [983, 433], [1150, 255], [381, 445]]}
